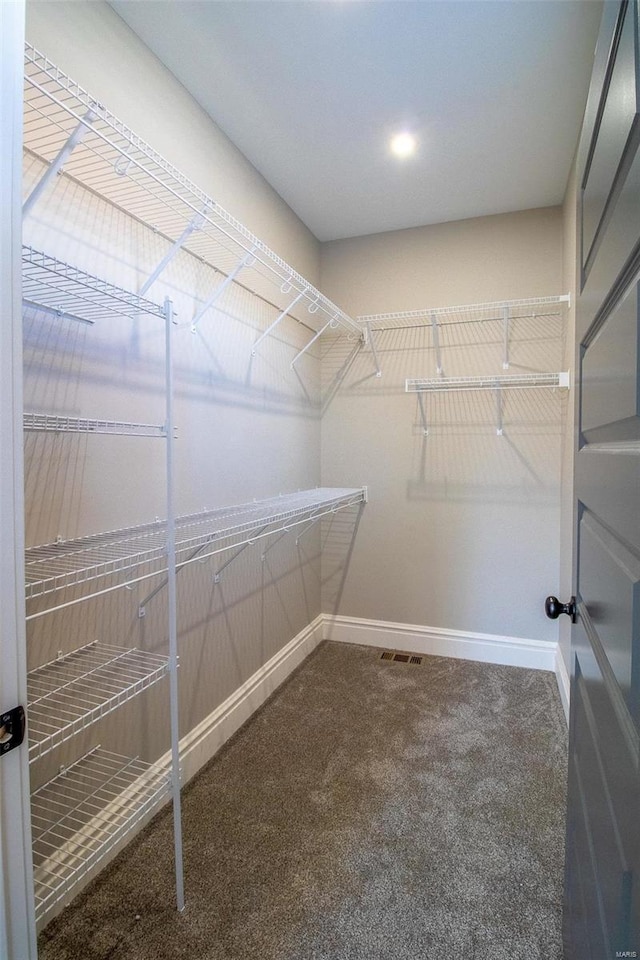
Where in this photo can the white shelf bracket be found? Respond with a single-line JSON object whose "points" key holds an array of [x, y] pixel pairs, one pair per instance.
{"points": [[423, 415], [369, 338], [249, 543], [506, 316], [498, 410], [246, 261], [333, 323], [263, 555], [308, 527], [278, 319], [194, 224], [56, 165], [436, 343]]}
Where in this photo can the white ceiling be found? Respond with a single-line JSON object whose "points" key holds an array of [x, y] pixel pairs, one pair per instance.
{"points": [[311, 92]]}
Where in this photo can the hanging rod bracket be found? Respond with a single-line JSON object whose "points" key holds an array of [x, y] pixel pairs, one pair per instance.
{"points": [[332, 323], [280, 317], [247, 261]]}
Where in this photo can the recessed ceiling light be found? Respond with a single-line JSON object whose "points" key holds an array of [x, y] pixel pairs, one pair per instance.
{"points": [[403, 144]]}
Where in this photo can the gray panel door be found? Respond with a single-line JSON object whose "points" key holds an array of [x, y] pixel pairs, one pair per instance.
{"points": [[602, 898]]}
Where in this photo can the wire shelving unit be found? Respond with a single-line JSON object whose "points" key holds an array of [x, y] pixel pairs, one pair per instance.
{"points": [[79, 688], [82, 814], [142, 549], [528, 308], [65, 126], [55, 423], [66, 291], [496, 384], [89, 808], [503, 312], [513, 381]]}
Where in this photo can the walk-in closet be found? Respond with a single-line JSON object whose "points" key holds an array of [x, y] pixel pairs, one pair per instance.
{"points": [[297, 476]]}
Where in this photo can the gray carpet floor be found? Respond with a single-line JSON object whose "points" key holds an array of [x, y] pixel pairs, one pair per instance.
{"points": [[371, 810]]}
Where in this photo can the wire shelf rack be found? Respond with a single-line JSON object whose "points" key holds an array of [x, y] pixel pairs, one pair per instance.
{"points": [[520, 381], [82, 814], [531, 308], [53, 423], [112, 161], [67, 291], [69, 563], [74, 691]]}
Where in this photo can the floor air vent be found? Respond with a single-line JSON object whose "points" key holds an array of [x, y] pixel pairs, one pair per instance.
{"points": [[400, 657]]}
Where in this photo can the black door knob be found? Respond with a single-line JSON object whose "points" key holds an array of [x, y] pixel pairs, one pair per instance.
{"points": [[553, 608]]}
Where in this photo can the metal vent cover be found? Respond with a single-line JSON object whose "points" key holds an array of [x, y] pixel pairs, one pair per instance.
{"points": [[401, 657]]}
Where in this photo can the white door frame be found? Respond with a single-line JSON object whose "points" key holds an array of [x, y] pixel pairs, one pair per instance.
{"points": [[17, 919]]}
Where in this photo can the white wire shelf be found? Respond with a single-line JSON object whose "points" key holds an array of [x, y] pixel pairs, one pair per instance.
{"points": [[108, 158], [53, 423], [74, 691], [83, 813], [520, 381], [70, 563], [531, 308], [67, 291]]}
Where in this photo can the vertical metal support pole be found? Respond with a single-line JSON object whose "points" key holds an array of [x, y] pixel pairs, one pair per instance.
{"points": [[423, 414], [436, 343], [194, 224], [17, 911], [217, 293], [505, 333], [173, 619], [373, 348], [58, 162], [498, 410]]}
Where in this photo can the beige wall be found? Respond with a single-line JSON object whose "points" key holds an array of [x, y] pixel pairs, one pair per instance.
{"points": [[248, 427], [462, 529]]}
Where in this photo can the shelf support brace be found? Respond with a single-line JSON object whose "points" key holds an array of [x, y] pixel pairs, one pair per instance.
{"points": [[160, 587], [266, 550], [423, 415], [505, 328], [246, 261], [218, 574], [498, 410], [194, 224], [333, 323], [58, 162], [436, 343], [370, 340], [275, 323], [312, 522]]}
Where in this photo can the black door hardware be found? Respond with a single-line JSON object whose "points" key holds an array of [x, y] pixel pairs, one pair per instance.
{"points": [[553, 608], [12, 727]]}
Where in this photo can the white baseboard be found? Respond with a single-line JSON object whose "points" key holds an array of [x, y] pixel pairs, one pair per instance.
{"points": [[434, 641], [202, 743], [564, 684]]}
